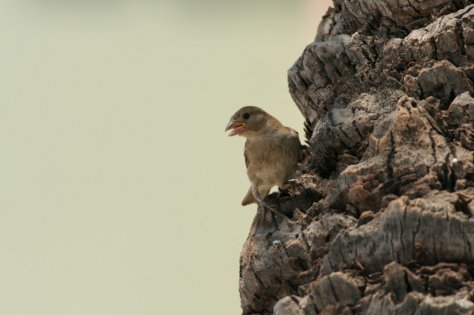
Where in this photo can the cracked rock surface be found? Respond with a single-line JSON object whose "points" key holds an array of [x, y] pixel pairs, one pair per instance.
{"points": [[380, 219]]}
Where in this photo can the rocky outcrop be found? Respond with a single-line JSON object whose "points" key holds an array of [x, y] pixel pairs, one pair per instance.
{"points": [[380, 220]]}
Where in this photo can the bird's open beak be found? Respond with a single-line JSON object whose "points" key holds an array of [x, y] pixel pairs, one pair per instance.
{"points": [[235, 127]]}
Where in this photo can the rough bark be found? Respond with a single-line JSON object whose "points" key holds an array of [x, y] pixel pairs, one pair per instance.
{"points": [[380, 220]]}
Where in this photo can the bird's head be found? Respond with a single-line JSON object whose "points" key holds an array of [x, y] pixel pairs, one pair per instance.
{"points": [[247, 121]]}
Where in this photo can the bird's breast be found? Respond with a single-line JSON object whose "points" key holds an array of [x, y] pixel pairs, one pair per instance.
{"points": [[269, 162]]}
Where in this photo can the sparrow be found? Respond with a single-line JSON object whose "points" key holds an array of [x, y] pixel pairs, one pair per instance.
{"points": [[272, 151]]}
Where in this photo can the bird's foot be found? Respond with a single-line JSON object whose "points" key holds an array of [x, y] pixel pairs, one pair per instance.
{"points": [[267, 206], [271, 211]]}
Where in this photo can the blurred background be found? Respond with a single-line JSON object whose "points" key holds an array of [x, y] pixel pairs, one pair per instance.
{"points": [[119, 190]]}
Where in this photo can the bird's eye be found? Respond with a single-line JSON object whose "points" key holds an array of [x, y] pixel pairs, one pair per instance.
{"points": [[246, 116]]}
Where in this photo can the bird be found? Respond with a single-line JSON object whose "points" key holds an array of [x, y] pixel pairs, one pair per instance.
{"points": [[272, 151]]}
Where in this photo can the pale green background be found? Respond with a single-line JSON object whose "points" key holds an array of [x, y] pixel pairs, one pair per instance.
{"points": [[119, 190]]}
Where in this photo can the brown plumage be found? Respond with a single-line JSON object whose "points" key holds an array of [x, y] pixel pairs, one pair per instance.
{"points": [[272, 151]]}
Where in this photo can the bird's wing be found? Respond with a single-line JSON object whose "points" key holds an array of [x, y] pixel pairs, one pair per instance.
{"points": [[291, 146]]}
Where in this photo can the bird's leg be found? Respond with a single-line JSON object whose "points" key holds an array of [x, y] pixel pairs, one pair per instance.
{"points": [[256, 194], [260, 192]]}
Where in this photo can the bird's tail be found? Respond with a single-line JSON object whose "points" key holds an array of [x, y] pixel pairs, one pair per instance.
{"points": [[249, 198]]}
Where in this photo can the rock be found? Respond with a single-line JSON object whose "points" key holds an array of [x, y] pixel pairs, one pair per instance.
{"points": [[442, 80], [294, 305], [336, 289], [380, 218], [399, 281], [365, 217]]}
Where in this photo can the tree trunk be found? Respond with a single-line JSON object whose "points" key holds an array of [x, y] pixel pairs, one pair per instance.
{"points": [[380, 219]]}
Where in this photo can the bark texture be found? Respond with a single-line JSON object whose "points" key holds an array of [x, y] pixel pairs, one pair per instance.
{"points": [[380, 220]]}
